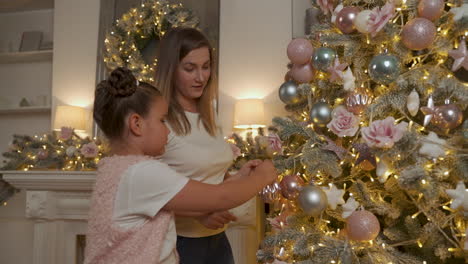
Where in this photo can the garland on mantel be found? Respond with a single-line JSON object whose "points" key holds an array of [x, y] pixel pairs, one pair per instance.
{"points": [[62, 150]]}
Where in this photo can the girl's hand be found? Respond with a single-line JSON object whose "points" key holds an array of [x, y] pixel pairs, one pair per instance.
{"points": [[216, 220]]}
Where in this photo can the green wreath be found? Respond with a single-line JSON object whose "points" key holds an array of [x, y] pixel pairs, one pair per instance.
{"points": [[135, 29]]}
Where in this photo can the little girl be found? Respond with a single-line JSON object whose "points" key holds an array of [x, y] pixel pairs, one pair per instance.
{"points": [[135, 195]]}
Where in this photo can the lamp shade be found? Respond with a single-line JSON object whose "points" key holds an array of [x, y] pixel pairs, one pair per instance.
{"points": [[70, 116], [249, 113]]}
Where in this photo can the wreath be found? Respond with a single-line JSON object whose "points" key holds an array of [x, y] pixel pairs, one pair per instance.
{"points": [[132, 33]]}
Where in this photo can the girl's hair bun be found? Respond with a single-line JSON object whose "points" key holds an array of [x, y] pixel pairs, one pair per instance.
{"points": [[121, 82]]}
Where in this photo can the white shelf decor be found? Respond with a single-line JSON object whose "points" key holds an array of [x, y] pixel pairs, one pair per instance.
{"points": [[24, 109], [27, 56]]}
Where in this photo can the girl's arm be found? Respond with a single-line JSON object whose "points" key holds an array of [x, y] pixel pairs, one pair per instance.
{"points": [[201, 197]]}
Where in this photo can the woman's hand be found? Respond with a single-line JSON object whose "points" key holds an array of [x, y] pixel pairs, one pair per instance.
{"points": [[248, 167], [216, 220]]}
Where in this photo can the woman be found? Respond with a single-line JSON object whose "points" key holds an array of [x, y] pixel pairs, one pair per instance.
{"points": [[196, 148]]}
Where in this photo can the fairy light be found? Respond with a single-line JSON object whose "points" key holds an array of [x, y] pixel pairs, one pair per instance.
{"points": [[415, 215], [420, 244]]}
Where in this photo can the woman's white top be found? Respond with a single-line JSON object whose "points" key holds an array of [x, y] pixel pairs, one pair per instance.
{"points": [[200, 157]]}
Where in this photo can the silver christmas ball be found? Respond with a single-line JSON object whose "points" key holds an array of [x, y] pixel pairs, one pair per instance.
{"points": [[320, 114], [323, 57], [313, 200], [289, 93], [384, 68]]}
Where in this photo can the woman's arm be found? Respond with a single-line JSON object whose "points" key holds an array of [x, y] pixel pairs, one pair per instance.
{"points": [[200, 197]]}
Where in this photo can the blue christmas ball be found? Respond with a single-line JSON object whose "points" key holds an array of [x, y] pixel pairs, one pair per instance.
{"points": [[323, 58], [384, 68]]}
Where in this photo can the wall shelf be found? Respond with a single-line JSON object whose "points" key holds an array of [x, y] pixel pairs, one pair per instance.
{"points": [[25, 110], [26, 56]]}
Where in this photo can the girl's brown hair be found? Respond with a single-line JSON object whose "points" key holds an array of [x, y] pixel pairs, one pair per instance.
{"points": [[175, 45], [119, 96]]}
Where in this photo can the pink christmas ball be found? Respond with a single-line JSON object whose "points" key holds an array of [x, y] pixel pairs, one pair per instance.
{"points": [[345, 19], [299, 51], [302, 73], [290, 186], [431, 9], [362, 226], [418, 34]]}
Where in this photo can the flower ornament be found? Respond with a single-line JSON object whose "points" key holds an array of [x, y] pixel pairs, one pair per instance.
{"points": [[335, 12], [274, 143], [235, 150], [66, 133], [89, 150], [326, 6], [383, 133], [336, 70], [344, 123], [379, 17]]}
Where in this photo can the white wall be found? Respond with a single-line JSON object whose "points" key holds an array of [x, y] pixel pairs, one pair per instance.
{"points": [[75, 52], [72, 74], [22, 80], [252, 64], [253, 40]]}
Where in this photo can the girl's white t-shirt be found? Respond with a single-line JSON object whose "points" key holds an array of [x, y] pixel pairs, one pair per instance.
{"points": [[143, 191], [201, 157]]}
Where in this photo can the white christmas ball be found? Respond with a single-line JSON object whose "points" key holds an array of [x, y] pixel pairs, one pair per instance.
{"points": [[361, 21], [71, 151]]}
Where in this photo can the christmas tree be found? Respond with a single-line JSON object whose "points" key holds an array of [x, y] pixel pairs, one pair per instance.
{"points": [[373, 165]]}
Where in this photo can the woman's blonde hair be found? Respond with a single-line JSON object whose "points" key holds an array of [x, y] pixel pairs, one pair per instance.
{"points": [[174, 46]]}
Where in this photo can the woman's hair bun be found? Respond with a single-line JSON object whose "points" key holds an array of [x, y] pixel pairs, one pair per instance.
{"points": [[121, 82]]}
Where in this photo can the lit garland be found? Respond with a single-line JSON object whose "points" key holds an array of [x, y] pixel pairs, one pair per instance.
{"points": [[133, 31], [63, 150]]}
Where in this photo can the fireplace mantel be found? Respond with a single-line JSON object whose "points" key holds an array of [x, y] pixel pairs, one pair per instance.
{"points": [[58, 203]]}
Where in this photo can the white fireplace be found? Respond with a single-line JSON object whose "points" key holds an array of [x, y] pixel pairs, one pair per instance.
{"points": [[58, 203]]}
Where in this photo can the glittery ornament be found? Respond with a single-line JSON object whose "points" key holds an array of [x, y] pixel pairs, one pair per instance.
{"points": [[290, 186], [361, 21], [312, 200], [302, 73], [345, 19], [418, 34], [289, 93], [384, 68], [362, 226], [270, 193], [430, 9], [412, 102], [323, 58], [299, 51], [42, 154], [358, 100], [447, 116], [320, 114]]}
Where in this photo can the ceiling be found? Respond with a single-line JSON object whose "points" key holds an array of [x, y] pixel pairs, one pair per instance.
{"points": [[24, 5]]}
